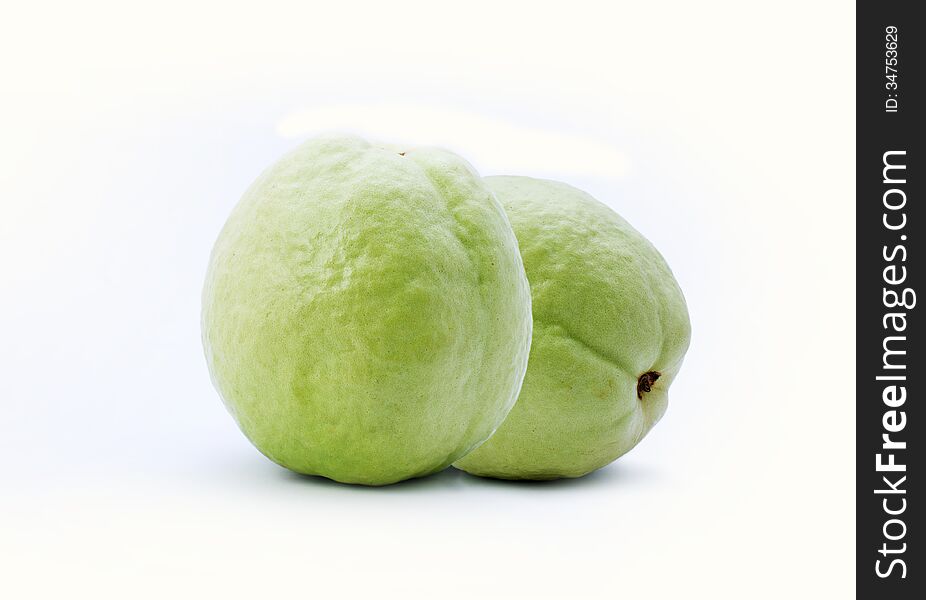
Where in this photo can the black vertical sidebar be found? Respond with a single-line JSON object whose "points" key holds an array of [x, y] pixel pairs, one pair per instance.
{"points": [[890, 370]]}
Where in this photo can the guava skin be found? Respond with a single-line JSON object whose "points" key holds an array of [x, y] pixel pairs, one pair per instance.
{"points": [[366, 316], [610, 331]]}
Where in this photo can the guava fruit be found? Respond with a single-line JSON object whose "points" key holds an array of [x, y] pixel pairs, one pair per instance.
{"points": [[610, 331], [366, 315]]}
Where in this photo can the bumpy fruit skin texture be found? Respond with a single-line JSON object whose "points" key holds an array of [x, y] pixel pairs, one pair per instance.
{"points": [[607, 310], [366, 316]]}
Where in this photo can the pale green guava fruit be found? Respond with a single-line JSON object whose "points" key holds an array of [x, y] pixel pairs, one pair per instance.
{"points": [[366, 316], [610, 331]]}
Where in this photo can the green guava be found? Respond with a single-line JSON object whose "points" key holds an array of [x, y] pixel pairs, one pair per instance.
{"points": [[366, 315], [610, 331]]}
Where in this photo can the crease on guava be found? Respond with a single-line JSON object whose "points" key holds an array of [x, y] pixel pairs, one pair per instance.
{"points": [[600, 354]]}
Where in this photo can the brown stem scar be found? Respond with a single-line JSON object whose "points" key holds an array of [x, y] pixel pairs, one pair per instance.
{"points": [[645, 382]]}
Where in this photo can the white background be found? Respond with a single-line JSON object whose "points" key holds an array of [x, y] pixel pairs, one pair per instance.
{"points": [[724, 131]]}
